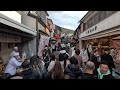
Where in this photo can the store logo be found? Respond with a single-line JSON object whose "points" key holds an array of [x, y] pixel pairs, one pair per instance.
{"points": [[91, 30]]}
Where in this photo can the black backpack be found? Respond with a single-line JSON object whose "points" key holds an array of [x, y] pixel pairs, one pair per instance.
{"points": [[63, 56]]}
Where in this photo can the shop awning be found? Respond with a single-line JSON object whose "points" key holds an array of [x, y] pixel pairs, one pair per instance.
{"points": [[10, 22], [103, 34], [117, 37]]}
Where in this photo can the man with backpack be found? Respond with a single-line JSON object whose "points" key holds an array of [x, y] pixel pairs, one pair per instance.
{"points": [[63, 56]]}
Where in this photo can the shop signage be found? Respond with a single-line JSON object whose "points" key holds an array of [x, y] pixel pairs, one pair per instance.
{"points": [[91, 30], [10, 38]]}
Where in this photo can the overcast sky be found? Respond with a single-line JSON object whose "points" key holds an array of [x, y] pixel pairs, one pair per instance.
{"points": [[66, 19]]}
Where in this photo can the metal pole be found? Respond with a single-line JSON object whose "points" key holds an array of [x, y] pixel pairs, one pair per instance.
{"points": [[37, 36]]}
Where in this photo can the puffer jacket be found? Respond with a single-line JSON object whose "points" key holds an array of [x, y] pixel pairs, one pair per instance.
{"points": [[73, 71]]}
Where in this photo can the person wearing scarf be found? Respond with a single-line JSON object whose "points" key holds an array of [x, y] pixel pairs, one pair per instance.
{"points": [[104, 72]]}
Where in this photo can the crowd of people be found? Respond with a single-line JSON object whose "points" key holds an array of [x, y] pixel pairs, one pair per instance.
{"points": [[61, 61]]}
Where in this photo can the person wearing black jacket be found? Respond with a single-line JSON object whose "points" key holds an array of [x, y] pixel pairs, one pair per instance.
{"points": [[96, 59], [89, 68], [73, 69], [28, 73], [108, 58], [103, 72], [63, 56]]}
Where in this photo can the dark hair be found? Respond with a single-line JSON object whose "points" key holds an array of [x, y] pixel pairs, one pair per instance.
{"points": [[73, 60], [75, 48], [77, 51], [52, 57], [45, 45], [104, 62], [63, 48], [58, 71], [25, 64], [106, 49]]}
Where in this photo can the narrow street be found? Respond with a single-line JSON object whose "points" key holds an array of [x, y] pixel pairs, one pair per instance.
{"points": [[59, 45]]}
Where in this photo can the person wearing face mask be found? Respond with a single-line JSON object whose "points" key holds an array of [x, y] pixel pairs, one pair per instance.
{"points": [[12, 65]]}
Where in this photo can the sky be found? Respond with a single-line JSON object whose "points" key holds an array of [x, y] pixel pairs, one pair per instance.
{"points": [[66, 19]]}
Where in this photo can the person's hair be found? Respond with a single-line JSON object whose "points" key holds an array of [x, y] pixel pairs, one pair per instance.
{"points": [[33, 59], [96, 51], [104, 62], [25, 64], [90, 65], [52, 57], [75, 48], [45, 45], [106, 49], [77, 51], [73, 60], [58, 71], [63, 48], [66, 77]]}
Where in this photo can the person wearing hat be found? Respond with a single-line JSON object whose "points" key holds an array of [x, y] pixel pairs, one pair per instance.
{"points": [[108, 58], [13, 63], [14, 51], [103, 72]]}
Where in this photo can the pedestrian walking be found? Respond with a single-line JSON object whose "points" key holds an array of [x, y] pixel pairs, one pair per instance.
{"points": [[84, 55]]}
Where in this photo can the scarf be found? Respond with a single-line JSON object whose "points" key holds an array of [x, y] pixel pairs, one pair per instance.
{"points": [[100, 75]]}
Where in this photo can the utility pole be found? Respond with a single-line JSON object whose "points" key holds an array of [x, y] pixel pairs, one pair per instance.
{"points": [[37, 36]]}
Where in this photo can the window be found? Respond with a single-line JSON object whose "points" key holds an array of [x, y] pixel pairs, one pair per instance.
{"points": [[102, 15]]}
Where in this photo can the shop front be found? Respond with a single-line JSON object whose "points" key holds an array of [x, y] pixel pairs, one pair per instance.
{"points": [[13, 33], [102, 40]]}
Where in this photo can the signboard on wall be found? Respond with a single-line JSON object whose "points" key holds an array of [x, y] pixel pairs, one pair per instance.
{"points": [[10, 38], [44, 40]]}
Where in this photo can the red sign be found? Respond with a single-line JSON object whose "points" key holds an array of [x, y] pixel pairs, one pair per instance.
{"points": [[57, 36]]}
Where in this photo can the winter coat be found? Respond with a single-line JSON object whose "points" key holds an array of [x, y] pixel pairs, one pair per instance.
{"points": [[79, 58], [63, 55], [108, 58], [107, 75], [29, 74], [95, 61], [88, 76], [73, 71]]}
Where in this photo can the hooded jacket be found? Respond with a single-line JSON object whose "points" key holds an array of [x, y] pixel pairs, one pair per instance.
{"points": [[107, 75], [73, 71]]}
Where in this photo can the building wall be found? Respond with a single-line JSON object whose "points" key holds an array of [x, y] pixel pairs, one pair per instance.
{"points": [[27, 20], [5, 52], [29, 47], [42, 15], [13, 15], [107, 23]]}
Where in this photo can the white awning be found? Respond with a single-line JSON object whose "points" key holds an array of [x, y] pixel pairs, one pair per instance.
{"points": [[103, 34], [10, 22]]}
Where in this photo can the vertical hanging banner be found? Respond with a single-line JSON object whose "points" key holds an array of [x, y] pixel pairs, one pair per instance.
{"points": [[44, 40]]}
